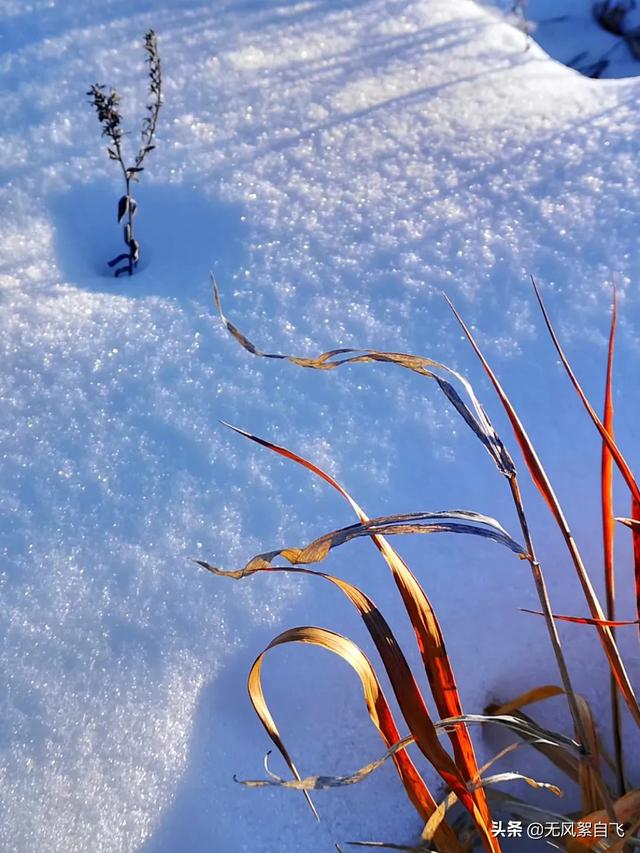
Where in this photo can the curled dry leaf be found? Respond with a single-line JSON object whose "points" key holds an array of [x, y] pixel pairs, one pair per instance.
{"points": [[474, 415], [377, 706], [406, 690], [408, 523]]}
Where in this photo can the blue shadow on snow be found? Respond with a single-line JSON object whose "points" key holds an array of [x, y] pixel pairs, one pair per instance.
{"points": [[182, 234]]}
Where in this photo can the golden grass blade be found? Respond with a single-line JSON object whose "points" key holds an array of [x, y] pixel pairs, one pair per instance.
{"points": [[608, 521], [594, 795], [440, 522], [405, 687], [475, 417], [376, 702], [500, 778], [433, 824], [585, 620], [541, 480], [428, 634], [537, 694]]}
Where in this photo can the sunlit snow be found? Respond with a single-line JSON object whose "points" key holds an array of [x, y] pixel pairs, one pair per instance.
{"points": [[338, 164]]}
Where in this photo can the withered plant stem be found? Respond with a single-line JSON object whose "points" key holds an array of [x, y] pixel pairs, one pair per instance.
{"points": [[556, 645]]}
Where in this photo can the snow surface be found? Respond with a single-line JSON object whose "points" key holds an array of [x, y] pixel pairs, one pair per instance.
{"points": [[567, 30], [338, 165]]}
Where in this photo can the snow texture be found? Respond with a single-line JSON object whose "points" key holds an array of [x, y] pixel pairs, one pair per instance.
{"points": [[588, 35], [338, 165]]}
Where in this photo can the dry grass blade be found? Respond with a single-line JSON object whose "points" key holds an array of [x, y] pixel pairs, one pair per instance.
{"points": [[429, 832], [429, 637], [500, 778], [587, 775], [635, 533], [407, 523], [406, 690], [527, 729], [632, 523], [376, 702], [541, 480], [585, 620], [608, 535], [520, 809], [594, 794], [440, 522], [568, 763], [627, 811], [427, 629], [536, 694], [318, 783], [321, 783], [475, 416]]}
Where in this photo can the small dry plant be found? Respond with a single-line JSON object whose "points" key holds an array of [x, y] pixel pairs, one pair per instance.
{"points": [[107, 107], [609, 815]]}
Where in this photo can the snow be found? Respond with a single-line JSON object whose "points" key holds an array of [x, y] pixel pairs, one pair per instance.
{"points": [[567, 30], [337, 165]]}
